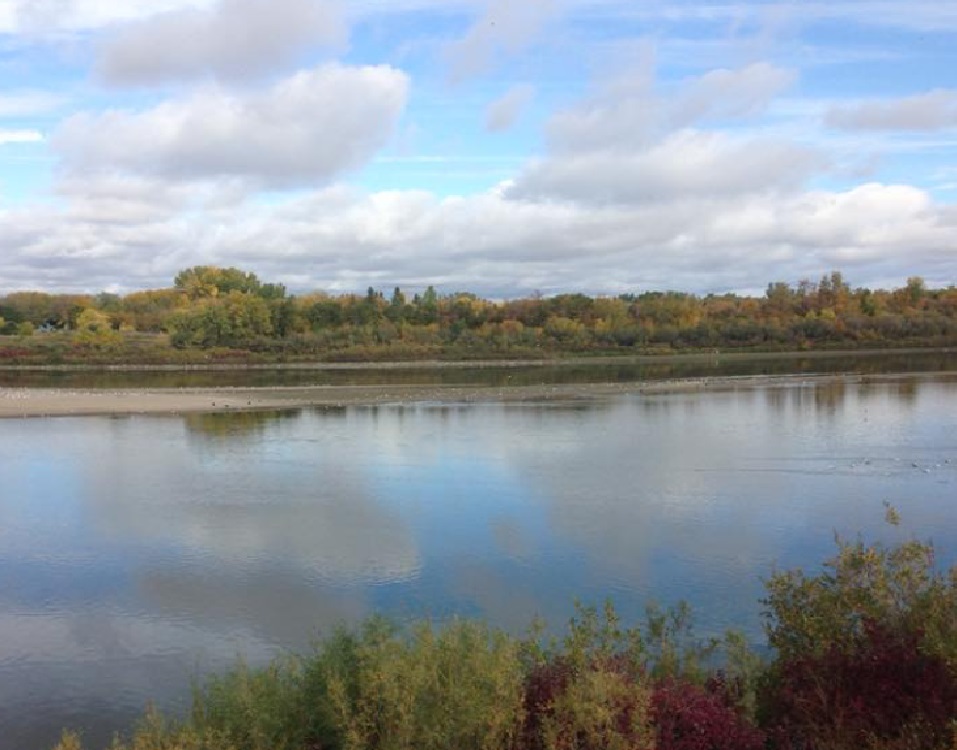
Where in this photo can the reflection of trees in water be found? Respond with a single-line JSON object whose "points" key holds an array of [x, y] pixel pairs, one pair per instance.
{"points": [[499, 375], [819, 397], [236, 423], [829, 396], [907, 390], [777, 399]]}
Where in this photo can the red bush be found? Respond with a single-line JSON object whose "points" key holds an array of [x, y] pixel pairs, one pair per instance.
{"points": [[689, 717], [543, 685], [14, 352], [885, 690]]}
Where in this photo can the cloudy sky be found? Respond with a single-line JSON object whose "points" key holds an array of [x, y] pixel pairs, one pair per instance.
{"points": [[495, 146]]}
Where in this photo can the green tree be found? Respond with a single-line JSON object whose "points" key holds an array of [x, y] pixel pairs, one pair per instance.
{"points": [[916, 289], [232, 320], [211, 281], [93, 327]]}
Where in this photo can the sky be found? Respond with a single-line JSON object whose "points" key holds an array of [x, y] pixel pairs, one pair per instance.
{"points": [[502, 147]]}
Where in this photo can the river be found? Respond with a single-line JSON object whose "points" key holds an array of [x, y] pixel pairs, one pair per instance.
{"points": [[138, 552]]}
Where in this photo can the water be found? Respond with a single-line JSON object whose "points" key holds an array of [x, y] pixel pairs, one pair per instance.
{"points": [[614, 370], [137, 552]]}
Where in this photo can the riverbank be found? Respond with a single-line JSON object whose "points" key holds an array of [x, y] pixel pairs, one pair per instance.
{"points": [[50, 402], [452, 364]]}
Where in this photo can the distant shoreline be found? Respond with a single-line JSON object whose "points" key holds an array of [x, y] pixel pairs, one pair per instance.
{"points": [[54, 402], [442, 364]]}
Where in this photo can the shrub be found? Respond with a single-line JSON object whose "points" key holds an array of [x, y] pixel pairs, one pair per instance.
{"points": [[599, 707], [884, 692], [458, 687], [155, 733], [590, 691], [594, 705], [254, 709], [866, 651], [897, 587], [690, 717]]}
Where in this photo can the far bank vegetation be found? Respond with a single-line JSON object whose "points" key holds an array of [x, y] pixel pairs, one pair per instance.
{"points": [[227, 314]]}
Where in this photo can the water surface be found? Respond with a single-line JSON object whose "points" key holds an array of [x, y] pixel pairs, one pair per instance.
{"points": [[136, 552], [608, 370]]}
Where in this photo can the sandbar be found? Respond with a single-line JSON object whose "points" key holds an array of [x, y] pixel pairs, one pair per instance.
{"points": [[50, 402]]}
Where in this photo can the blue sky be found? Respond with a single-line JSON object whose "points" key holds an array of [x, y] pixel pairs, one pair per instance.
{"points": [[500, 147]]}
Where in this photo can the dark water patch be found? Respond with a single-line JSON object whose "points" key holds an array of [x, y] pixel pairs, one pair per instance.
{"points": [[625, 371]]}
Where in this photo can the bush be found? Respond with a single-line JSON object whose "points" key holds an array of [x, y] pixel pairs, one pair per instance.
{"points": [[459, 687], [598, 705], [254, 709], [593, 690], [884, 692], [866, 651], [898, 588], [690, 717], [155, 733]]}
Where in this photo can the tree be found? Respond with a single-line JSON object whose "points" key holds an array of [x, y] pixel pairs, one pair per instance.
{"points": [[211, 281], [92, 320], [233, 320], [915, 289], [93, 327]]}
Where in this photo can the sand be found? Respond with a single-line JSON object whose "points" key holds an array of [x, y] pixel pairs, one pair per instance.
{"points": [[48, 402], [45, 402]]}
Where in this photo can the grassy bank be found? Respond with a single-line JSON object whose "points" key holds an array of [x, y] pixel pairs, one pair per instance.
{"points": [[863, 655], [153, 350]]}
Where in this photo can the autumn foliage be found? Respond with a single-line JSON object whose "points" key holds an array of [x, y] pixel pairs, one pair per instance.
{"points": [[209, 307]]}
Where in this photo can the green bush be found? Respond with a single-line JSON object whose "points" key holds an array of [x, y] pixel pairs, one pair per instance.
{"points": [[254, 709], [156, 733], [455, 687], [898, 587]]}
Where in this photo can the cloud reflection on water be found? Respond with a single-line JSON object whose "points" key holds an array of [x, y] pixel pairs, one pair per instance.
{"points": [[134, 549]]}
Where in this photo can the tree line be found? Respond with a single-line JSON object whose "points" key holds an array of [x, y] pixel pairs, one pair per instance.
{"points": [[209, 307]]}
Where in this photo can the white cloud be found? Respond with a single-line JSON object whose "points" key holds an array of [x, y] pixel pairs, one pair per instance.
{"points": [[917, 15], [723, 93], [304, 130], [340, 239], [505, 28], [931, 111], [45, 15], [20, 136], [688, 163], [29, 103], [505, 111], [629, 111], [631, 142], [41, 14], [696, 183], [232, 40]]}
